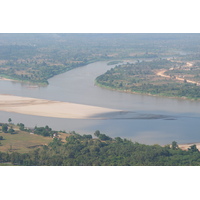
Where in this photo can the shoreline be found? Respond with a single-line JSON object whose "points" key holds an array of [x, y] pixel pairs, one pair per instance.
{"points": [[47, 108], [58, 109], [32, 84], [6, 79], [145, 94]]}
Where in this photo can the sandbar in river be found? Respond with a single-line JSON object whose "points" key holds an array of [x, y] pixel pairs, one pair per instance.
{"points": [[47, 108]]}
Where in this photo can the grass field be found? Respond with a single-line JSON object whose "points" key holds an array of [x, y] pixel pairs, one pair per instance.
{"points": [[23, 142]]}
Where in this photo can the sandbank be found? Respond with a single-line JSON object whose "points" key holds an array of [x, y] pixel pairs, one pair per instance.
{"points": [[6, 79], [47, 108]]}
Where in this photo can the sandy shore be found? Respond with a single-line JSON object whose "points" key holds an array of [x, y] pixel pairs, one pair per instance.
{"points": [[186, 146], [47, 108], [6, 79]]}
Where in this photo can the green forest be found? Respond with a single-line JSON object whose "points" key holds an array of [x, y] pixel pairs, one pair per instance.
{"points": [[35, 58], [93, 150], [143, 77]]}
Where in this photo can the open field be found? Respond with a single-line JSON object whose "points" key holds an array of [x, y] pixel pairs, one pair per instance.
{"points": [[42, 107], [22, 141]]}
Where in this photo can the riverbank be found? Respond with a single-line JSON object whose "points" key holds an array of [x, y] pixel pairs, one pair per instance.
{"points": [[47, 108], [30, 83], [43, 81], [6, 79], [149, 78], [143, 93]]}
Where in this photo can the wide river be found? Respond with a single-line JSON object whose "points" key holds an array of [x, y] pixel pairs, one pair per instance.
{"points": [[149, 120]]}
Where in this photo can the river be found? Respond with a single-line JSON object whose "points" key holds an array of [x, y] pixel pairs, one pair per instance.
{"points": [[148, 120]]}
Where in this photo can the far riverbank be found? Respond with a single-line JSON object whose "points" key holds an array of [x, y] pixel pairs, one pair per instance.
{"points": [[145, 94]]}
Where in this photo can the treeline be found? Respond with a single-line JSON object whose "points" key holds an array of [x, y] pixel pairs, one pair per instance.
{"points": [[34, 72], [13, 52], [36, 57], [84, 150], [140, 70], [44, 131], [141, 78]]}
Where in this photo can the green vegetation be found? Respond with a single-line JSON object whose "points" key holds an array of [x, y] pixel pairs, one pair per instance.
{"points": [[84, 150], [114, 62], [36, 73], [143, 77], [14, 138], [35, 58], [51, 148], [4, 128]]}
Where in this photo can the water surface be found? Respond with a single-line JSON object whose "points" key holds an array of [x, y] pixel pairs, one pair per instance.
{"points": [[147, 119]]}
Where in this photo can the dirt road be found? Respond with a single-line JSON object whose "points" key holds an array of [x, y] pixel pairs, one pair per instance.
{"points": [[162, 74]]}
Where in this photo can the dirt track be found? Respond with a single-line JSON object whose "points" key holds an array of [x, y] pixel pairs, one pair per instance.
{"points": [[162, 74]]}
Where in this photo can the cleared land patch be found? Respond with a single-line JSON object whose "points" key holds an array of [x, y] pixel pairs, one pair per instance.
{"points": [[21, 141]]}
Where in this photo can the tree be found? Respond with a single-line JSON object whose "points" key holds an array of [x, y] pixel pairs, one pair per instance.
{"points": [[121, 84], [11, 131], [21, 127], [101, 136], [9, 120], [97, 133], [118, 139], [193, 148], [174, 145], [5, 128], [55, 142], [87, 136], [104, 137]]}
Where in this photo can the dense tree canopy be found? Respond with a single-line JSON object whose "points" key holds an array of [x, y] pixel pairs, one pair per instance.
{"points": [[84, 150], [37, 57], [142, 77]]}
